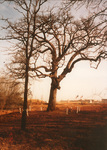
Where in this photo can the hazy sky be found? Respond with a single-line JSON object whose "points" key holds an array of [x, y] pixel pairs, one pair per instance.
{"points": [[82, 81]]}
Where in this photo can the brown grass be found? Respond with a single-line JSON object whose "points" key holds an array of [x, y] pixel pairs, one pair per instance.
{"points": [[86, 130]]}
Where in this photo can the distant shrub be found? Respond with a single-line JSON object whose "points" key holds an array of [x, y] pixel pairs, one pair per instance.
{"points": [[10, 93]]}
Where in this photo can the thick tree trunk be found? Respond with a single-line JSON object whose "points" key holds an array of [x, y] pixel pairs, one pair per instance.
{"points": [[23, 122], [52, 97]]}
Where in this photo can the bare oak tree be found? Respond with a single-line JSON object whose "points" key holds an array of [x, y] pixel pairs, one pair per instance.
{"points": [[22, 33], [65, 42]]}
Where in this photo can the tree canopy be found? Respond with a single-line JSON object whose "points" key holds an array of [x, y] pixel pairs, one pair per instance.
{"points": [[64, 42]]}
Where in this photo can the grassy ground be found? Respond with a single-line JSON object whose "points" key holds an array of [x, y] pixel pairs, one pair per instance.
{"points": [[86, 130]]}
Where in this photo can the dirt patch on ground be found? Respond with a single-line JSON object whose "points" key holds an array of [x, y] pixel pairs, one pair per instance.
{"points": [[62, 129]]}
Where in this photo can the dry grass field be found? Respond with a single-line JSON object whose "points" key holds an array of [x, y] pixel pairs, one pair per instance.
{"points": [[63, 129]]}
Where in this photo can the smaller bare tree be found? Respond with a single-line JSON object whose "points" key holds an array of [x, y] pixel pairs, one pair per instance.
{"points": [[22, 32]]}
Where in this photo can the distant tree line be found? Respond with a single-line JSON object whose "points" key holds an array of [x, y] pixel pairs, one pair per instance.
{"points": [[11, 93]]}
